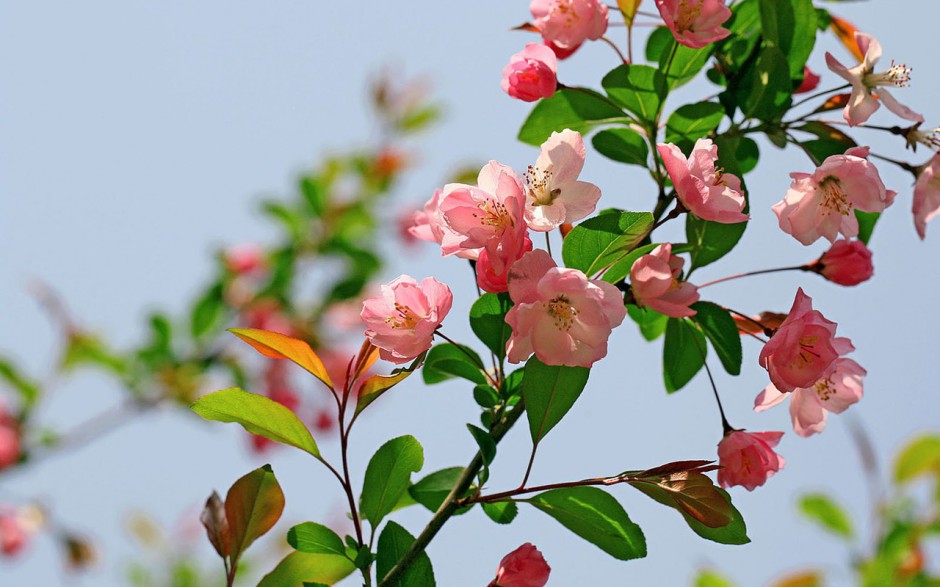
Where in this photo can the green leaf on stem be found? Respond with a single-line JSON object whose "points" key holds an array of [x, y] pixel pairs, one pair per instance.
{"points": [[766, 89], [921, 456], [549, 392], [208, 311], [652, 324], [279, 346], [686, 63], [733, 533], [599, 242], [253, 505], [737, 155], [304, 567], [719, 327], [431, 491], [388, 476], [866, 224], [790, 27], [711, 579], [827, 513], [691, 122], [315, 539], [684, 353], [394, 542], [710, 241], [487, 450], [575, 108], [622, 144], [446, 361], [258, 415], [375, 385], [488, 321], [28, 389], [501, 512], [641, 89], [684, 486], [596, 516]]}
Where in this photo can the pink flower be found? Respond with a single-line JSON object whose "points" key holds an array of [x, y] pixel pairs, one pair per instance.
{"points": [[801, 350], [491, 281], [9, 439], [704, 190], [401, 320], [531, 73], [559, 314], [810, 81], [835, 392], [428, 225], [869, 88], [845, 263], [554, 196], [695, 23], [822, 204], [654, 281], [487, 216], [13, 535], [748, 459], [560, 53], [927, 195], [523, 567], [245, 258], [568, 23]]}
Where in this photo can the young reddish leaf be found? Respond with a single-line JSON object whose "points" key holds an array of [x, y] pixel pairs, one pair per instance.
{"points": [[368, 355], [756, 325], [376, 385], [836, 102], [526, 26], [678, 467], [213, 518], [252, 506], [280, 346], [683, 485], [800, 579], [845, 30]]}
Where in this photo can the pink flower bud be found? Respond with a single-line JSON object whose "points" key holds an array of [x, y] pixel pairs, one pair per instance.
{"points": [[401, 320], [845, 263], [9, 439], [523, 567], [810, 81], [14, 534], [748, 459], [531, 74], [242, 259]]}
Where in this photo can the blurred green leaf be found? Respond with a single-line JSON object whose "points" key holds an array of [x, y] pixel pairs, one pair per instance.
{"points": [[921, 456], [28, 389], [208, 311], [711, 579], [388, 476], [827, 513], [304, 567]]}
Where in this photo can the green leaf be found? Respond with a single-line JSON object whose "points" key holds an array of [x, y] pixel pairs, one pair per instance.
{"points": [[488, 321], [767, 89], [28, 389], [445, 361], [208, 312], [791, 27], [641, 89], [299, 568], [316, 539], [314, 194], [920, 457], [692, 122], [388, 476], [375, 385], [486, 443], [258, 415], [719, 327], [622, 144], [549, 392], [575, 108], [599, 242], [711, 579], [596, 516], [866, 224], [686, 63], [652, 324], [253, 505], [733, 533], [710, 241], [501, 512], [432, 490], [827, 513], [684, 353], [737, 155], [393, 544]]}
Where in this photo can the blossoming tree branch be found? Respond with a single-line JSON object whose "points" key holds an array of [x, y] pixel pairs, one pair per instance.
{"points": [[543, 318]]}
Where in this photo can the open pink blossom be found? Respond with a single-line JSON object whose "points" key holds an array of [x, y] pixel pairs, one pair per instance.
{"points": [[702, 188], [801, 350], [486, 216], [491, 281], [401, 320], [927, 195], [748, 458], [554, 196], [559, 314], [9, 439], [531, 74], [13, 534], [654, 281], [568, 23], [810, 81], [823, 203], [846, 263], [560, 53], [835, 392], [428, 225], [695, 23], [523, 567], [870, 89]]}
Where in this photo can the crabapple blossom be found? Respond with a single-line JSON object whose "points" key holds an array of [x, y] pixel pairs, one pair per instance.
{"points": [[428, 225], [704, 190], [654, 281], [9, 439], [695, 23], [748, 459], [13, 535], [869, 89], [523, 567], [568, 23], [822, 203], [531, 74], [402, 319], [846, 263], [554, 196], [559, 314], [810, 81], [560, 53], [802, 349], [486, 216], [927, 195]]}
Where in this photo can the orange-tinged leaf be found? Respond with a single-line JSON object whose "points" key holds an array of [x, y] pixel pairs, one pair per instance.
{"points": [[526, 26], [253, 505], [216, 524], [376, 385], [753, 325], [629, 8], [693, 493], [279, 346], [368, 355], [800, 579], [834, 103], [845, 30]]}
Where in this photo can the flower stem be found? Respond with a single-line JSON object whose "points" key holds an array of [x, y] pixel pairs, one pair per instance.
{"points": [[760, 272], [523, 490], [721, 410], [617, 49], [473, 359], [818, 94]]}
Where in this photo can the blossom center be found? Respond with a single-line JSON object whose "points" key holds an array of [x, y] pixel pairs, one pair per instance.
{"points": [[493, 214], [807, 352], [896, 75], [538, 183], [404, 317], [562, 312], [688, 12], [824, 389], [566, 10], [834, 197]]}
